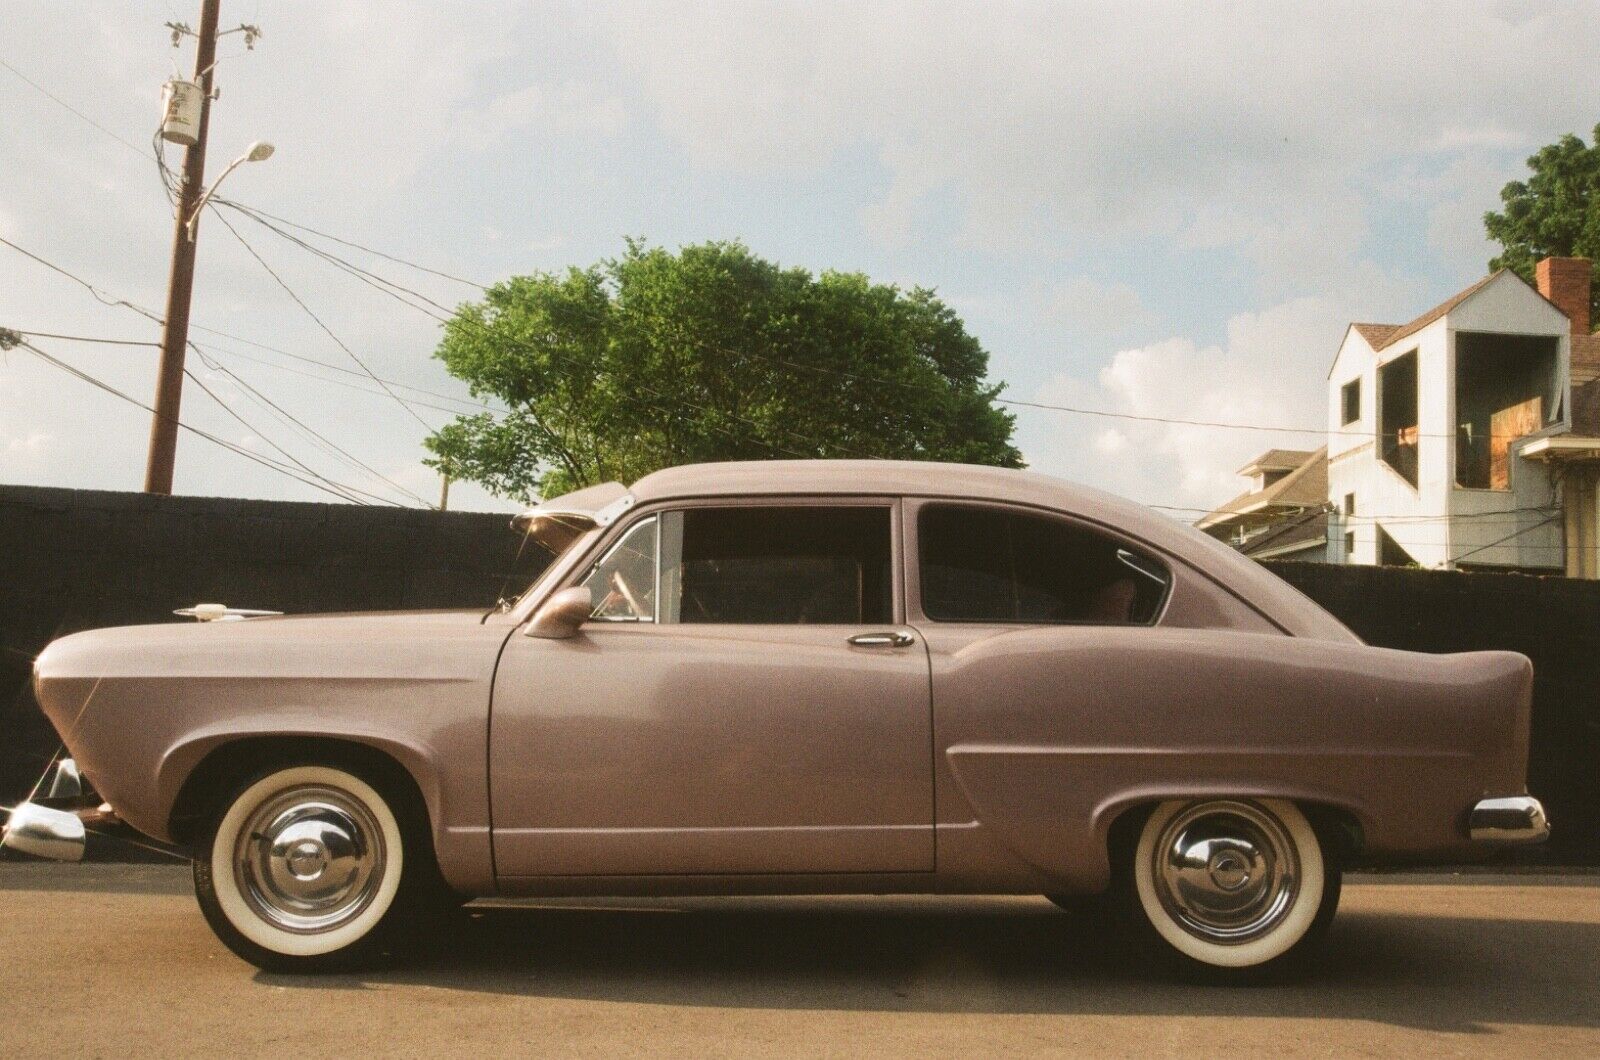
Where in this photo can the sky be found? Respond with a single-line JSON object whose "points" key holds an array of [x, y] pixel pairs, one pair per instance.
{"points": [[1147, 209]]}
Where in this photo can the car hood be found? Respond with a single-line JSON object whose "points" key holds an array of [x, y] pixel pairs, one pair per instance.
{"points": [[271, 643]]}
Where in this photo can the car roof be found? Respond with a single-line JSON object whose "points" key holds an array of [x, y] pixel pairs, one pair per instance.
{"points": [[1282, 603]]}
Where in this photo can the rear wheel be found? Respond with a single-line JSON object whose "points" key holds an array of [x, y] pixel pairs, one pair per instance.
{"points": [[1236, 888], [307, 868]]}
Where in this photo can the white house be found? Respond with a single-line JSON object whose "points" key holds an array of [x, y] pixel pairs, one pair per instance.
{"points": [[1430, 425]]}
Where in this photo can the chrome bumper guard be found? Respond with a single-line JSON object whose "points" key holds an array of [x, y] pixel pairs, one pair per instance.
{"points": [[53, 826], [1511, 819]]}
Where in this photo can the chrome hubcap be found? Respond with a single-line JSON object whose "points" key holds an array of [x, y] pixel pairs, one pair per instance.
{"points": [[1226, 871], [310, 859]]}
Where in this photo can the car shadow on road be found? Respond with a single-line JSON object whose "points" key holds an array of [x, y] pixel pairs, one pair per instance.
{"points": [[1450, 974]]}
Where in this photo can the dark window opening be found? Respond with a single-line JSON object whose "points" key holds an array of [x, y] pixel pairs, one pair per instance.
{"points": [[1349, 504], [1391, 553], [1350, 402], [1272, 478], [1349, 545], [991, 565], [777, 566], [1506, 388], [1397, 409]]}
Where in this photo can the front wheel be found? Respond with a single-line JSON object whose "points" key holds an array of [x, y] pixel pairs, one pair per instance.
{"points": [[1233, 887], [303, 870]]}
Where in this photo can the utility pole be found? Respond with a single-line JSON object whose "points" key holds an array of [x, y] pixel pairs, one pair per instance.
{"points": [[180, 282]]}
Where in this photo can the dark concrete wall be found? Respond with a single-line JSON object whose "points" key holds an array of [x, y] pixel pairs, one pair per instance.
{"points": [[77, 559], [72, 560]]}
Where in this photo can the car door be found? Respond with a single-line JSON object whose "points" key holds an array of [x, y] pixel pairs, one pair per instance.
{"points": [[746, 699]]}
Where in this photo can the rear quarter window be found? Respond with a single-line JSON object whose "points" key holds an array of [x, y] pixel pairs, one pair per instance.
{"points": [[982, 564]]}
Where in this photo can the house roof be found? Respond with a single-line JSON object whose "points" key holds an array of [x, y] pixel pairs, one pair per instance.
{"points": [[1377, 335], [1277, 460], [1304, 487], [1435, 313], [1292, 535]]}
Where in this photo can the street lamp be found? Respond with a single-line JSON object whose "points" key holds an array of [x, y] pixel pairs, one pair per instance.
{"points": [[259, 151]]}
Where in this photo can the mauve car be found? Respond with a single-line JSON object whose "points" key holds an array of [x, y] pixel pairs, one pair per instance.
{"points": [[800, 677]]}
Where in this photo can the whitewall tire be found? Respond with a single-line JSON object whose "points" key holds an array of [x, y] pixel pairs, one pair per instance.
{"points": [[304, 869], [1233, 885]]}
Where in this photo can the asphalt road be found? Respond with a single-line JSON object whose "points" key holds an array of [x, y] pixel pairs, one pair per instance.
{"points": [[114, 960]]}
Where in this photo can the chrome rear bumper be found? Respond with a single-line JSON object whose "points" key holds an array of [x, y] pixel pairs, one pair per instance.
{"points": [[1510, 819]]}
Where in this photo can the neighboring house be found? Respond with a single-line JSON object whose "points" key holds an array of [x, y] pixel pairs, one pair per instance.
{"points": [[1451, 439], [1284, 514]]}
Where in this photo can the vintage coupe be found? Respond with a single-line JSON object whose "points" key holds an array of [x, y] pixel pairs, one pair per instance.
{"points": [[802, 677]]}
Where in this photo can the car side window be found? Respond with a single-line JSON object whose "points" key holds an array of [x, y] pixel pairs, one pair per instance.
{"points": [[996, 565], [777, 565], [623, 582]]}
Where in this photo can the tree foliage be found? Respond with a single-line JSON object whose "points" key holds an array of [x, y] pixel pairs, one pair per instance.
{"points": [[654, 359], [1554, 213]]}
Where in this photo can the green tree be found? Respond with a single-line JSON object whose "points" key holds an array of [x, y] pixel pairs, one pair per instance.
{"points": [[1555, 213], [654, 359]]}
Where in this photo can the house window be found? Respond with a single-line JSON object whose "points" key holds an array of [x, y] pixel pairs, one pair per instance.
{"points": [[1349, 504], [1349, 545], [1397, 410], [1350, 402], [1507, 387]]}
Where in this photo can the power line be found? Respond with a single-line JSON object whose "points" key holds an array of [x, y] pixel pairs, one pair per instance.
{"points": [[100, 296], [87, 338], [258, 214], [216, 352], [349, 493], [74, 110], [224, 443], [319, 322], [323, 442], [349, 243], [107, 299], [1508, 537]]}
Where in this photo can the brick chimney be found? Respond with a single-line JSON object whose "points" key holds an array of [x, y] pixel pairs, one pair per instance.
{"points": [[1565, 281]]}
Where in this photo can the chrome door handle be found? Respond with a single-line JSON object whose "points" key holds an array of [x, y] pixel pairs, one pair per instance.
{"points": [[893, 639]]}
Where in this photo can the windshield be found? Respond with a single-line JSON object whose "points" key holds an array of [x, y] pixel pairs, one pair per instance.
{"points": [[546, 537]]}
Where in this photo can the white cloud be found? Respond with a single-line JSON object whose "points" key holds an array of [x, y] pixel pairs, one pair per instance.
{"points": [[565, 109], [1268, 372], [1252, 158], [1068, 124], [1084, 304]]}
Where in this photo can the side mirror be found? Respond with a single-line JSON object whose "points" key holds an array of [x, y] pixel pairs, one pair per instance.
{"points": [[561, 616]]}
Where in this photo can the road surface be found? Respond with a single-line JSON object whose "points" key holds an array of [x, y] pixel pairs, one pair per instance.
{"points": [[114, 960]]}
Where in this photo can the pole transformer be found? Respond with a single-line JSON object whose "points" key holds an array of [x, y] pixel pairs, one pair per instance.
{"points": [[180, 283]]}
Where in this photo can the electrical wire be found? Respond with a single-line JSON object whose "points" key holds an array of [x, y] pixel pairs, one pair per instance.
{"points": [[139, 309], [86, 338], [69, 107], [214, 439], [1165, 507], [1012, 402], [349, 243], [382, 283], [295, 423], [318, 320], [100, 296], [1500, 541], [350, 493]]}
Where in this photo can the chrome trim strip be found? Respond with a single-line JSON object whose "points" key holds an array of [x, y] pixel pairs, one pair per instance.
{"points": [[1509, 819]]}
